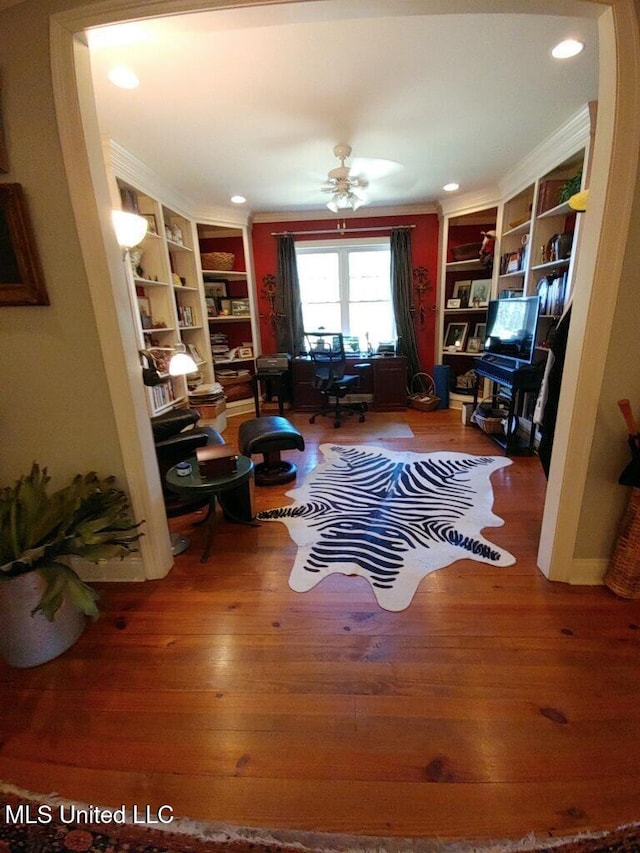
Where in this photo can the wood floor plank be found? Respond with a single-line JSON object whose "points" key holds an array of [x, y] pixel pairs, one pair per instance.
{"points": [[497, 704]]}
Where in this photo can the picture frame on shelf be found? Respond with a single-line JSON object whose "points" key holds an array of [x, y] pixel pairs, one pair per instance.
{"points": [[129, 199], [194, 353], [144, 308], [217, 289], [461, 291], [455, 336], [475, 345], [240, 308], [454, 303], [225, 307], [480, 331], [245, 352], [21, 277], [212, 306], [152, 223], [480, 292]]}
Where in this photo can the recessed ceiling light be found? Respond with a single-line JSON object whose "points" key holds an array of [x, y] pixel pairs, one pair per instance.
{"points": [[238, 199], [123, 77], [567, 48], [451, 188]]}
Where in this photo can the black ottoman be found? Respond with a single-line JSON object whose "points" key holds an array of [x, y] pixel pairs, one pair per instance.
{"points": [[269, 436]]}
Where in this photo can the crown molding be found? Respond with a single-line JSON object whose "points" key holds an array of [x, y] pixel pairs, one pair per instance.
{"points": [[129, 168], [457, 205], [562, 144], [362, 213]]}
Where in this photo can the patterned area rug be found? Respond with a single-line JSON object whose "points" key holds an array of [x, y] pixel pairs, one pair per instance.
{"points": [[31, 823], [390, 517]]}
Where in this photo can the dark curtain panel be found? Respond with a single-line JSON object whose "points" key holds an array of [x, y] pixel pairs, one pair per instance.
{"points": [[289, 330], [401, 281]]}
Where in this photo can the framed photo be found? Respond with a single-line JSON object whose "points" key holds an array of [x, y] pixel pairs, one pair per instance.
{"points": [[212, 307], [474, 345], [454, 303], [513, 262], [21, 279], [240, 308], [193, 352], [480, 291], [225, 307], [217, 289], [152, 225], [480, 331], [144, 307], [461, 291], [245, 352], [455, 335]]}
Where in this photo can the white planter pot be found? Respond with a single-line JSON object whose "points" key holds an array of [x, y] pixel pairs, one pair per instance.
{"points": [[27, 640]]}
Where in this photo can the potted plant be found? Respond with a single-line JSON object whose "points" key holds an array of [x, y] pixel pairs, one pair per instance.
{"points": [[43, 601]]}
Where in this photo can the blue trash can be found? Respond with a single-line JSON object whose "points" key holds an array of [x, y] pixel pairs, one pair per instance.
{"points": [[441, 379]]}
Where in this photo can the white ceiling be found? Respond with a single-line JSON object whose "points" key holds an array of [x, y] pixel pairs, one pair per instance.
{"points": [[253, 100]]}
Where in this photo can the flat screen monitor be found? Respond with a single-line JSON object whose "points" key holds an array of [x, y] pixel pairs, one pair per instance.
{"points": [[511, 327]]}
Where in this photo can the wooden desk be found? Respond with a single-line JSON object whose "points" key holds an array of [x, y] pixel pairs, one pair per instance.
{"points": [[384, 383]]}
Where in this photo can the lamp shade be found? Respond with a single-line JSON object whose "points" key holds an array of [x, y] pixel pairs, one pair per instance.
{"points": [[129, 227], [181, 363]]}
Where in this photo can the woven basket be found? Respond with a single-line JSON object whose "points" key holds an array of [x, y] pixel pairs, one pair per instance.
{"points": [[623, 574], [490, 419], [217, 260], [423, 393]]}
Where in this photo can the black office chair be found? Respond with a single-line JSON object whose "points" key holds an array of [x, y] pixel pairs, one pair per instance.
{"points": [[326, 350]]}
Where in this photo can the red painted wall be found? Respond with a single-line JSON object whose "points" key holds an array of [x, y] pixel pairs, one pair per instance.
{"points": [[424, 252]]}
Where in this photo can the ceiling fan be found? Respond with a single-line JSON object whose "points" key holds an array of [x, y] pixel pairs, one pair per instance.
{"points": [[345, 187]]}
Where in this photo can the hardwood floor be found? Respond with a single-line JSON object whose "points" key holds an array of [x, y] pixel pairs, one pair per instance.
{"points": [[497, 704]]}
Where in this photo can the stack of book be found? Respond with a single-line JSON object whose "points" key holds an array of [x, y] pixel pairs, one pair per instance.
{"points": [[219, 347]]}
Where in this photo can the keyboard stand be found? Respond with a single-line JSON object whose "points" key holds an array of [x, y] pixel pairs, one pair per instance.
{"points": [[509, 384]]}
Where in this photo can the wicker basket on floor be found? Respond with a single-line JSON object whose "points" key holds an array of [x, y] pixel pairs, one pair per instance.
{"points": [[623, 573], [422, 395], [490, 419]]}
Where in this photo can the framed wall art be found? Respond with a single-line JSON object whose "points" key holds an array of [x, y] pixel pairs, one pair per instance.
{"points": [[21, 279]]}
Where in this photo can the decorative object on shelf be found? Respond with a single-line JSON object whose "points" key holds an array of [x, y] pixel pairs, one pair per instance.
{"points": [[217, 260], [144, 308], [152, 224], [454, 303], [21, 278], [475, 345], [579, 201], [480, 291], [466, 252], [135, 258], [270, 293], [487, 248], [480, 331], [240, 308], [42, 599], [461, 291], [421, 285], [454, 336], [176, 234], [570, 187]]}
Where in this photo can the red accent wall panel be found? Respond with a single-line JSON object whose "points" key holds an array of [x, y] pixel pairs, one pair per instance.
{"points": [[424, 253]]}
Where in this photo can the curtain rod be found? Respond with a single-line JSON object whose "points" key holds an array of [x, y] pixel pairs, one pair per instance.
{"points": [[339, 229]]}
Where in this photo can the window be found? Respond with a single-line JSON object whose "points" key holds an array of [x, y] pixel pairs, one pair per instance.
{"points": [[347, 288]]}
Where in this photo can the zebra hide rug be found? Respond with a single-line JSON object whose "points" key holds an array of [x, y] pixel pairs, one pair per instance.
{"points": [[390, 517]]}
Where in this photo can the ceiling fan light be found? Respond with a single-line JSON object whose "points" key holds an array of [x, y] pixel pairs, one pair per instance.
{"points": [[333, 207]]}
